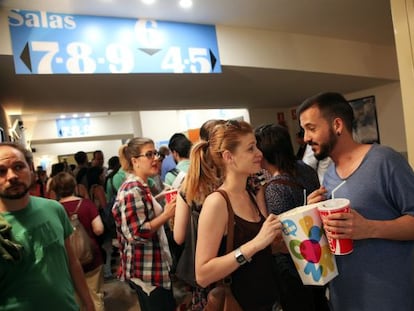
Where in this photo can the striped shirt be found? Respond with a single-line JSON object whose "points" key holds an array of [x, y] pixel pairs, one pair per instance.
{"points": [[141, 254]]}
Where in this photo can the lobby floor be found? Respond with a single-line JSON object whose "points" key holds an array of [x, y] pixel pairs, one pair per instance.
{"points": [[120, 297]]}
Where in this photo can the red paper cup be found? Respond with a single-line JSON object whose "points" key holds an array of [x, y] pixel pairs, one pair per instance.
{"points": [[170, 195], [325, 208]]}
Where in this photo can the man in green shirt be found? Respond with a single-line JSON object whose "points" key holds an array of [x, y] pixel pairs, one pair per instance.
{"points": [[38, 268]]}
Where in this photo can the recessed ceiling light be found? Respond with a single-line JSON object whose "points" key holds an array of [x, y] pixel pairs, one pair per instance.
{"points": [[62, 116], [75, 115], [148, 1], [87, 115], [186, 4]]}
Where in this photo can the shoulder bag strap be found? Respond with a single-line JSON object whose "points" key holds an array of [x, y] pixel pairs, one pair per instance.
{"points": [[226, 281], [230, 224], [77, 207]]}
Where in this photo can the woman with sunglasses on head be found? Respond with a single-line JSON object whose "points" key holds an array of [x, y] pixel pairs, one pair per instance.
{"points": [[139, 218], [232, 153]]}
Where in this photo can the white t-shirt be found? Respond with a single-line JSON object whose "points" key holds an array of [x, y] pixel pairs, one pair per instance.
{"points": [[319, 166]]}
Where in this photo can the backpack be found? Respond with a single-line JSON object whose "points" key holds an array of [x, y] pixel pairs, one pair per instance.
{"points": [[80, 240], [179, 177], [106, 213]]}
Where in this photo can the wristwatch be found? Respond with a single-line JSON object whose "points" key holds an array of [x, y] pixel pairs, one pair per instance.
{"points": [[240, 257]]}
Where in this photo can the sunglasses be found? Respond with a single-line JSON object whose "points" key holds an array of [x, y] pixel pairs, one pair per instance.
{"points": [[150, 154], [233, 123]]}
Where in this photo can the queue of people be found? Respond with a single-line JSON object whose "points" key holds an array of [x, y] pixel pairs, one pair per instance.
{"points": [[220, 168]]}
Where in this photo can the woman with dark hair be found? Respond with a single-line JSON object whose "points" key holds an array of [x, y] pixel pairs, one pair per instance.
{"points": [[140, 220], [291, 180], [95, 177], [64, 184], [110, 233]]}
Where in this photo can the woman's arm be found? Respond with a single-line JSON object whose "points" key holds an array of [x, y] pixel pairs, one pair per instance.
{"points": [[133, 214], [161, 219], [100, 196], [181, 218], [97, 225], [212, 226], [83, 192]]}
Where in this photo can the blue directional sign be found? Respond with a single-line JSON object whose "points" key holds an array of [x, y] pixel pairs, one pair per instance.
{"points": [[52, 43]]}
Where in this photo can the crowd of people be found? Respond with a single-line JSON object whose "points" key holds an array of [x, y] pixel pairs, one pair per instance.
{"points": [[39, 269]]}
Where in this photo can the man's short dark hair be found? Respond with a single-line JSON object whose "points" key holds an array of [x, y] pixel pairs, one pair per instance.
{"points": [[81, 157], [332, 105], [180, 144]]}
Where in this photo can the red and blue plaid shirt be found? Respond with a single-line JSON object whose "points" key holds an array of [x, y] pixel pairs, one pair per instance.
{"points": [[140, 250]]}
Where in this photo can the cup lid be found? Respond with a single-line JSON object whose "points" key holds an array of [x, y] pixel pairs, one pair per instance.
{"points": [[333, 204]]}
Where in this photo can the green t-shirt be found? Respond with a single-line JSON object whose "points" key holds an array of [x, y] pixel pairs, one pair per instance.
{"points": [[114, 183], [181, 166], [41, 280]]}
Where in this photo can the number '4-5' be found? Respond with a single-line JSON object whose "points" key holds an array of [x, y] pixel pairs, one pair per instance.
{"points": [[198, 57]]}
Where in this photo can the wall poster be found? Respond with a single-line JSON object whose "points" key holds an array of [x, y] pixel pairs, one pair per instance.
{"points": [[366, 124]]}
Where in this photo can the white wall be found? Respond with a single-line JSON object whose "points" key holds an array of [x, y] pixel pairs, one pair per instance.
{"points": [[161, 125], [157, 125], [49, 152], [107, 134], [403, 21], [118, 123]]}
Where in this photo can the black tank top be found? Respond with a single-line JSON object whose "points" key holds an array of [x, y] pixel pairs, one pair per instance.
{"points": [[253, 284]]}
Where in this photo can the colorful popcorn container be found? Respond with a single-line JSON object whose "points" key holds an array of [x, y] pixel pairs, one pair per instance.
{"points": [[307, 245]]}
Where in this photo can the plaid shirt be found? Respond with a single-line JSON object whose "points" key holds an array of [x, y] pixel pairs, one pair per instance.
{"points": [[140, 250]]}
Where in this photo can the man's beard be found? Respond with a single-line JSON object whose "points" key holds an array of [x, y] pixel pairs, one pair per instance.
{"points": [[15, 195], [325, 149]]}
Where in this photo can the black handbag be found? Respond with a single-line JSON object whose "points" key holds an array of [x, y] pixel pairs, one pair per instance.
{"points": [[186, 264]]}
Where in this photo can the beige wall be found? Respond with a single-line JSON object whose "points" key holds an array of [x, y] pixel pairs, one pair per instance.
{"points": [[289, 51], [403, 20], [389, 113]]}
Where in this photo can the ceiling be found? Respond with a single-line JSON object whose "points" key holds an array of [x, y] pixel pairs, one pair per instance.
{"points": [[367, 21]]}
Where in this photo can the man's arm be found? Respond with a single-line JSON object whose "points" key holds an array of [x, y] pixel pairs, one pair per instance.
{"points": [[401, 228], [354, 226], [78, 278]]}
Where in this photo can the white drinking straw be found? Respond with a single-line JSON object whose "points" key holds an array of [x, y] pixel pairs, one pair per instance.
{"points": [[336, 188], [305, 199]]}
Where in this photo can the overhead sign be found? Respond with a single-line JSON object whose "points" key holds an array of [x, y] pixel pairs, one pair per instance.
{"points": [[51, 43]]}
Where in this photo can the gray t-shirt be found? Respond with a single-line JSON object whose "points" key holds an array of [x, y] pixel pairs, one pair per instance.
{"points": [[379, 274]]}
